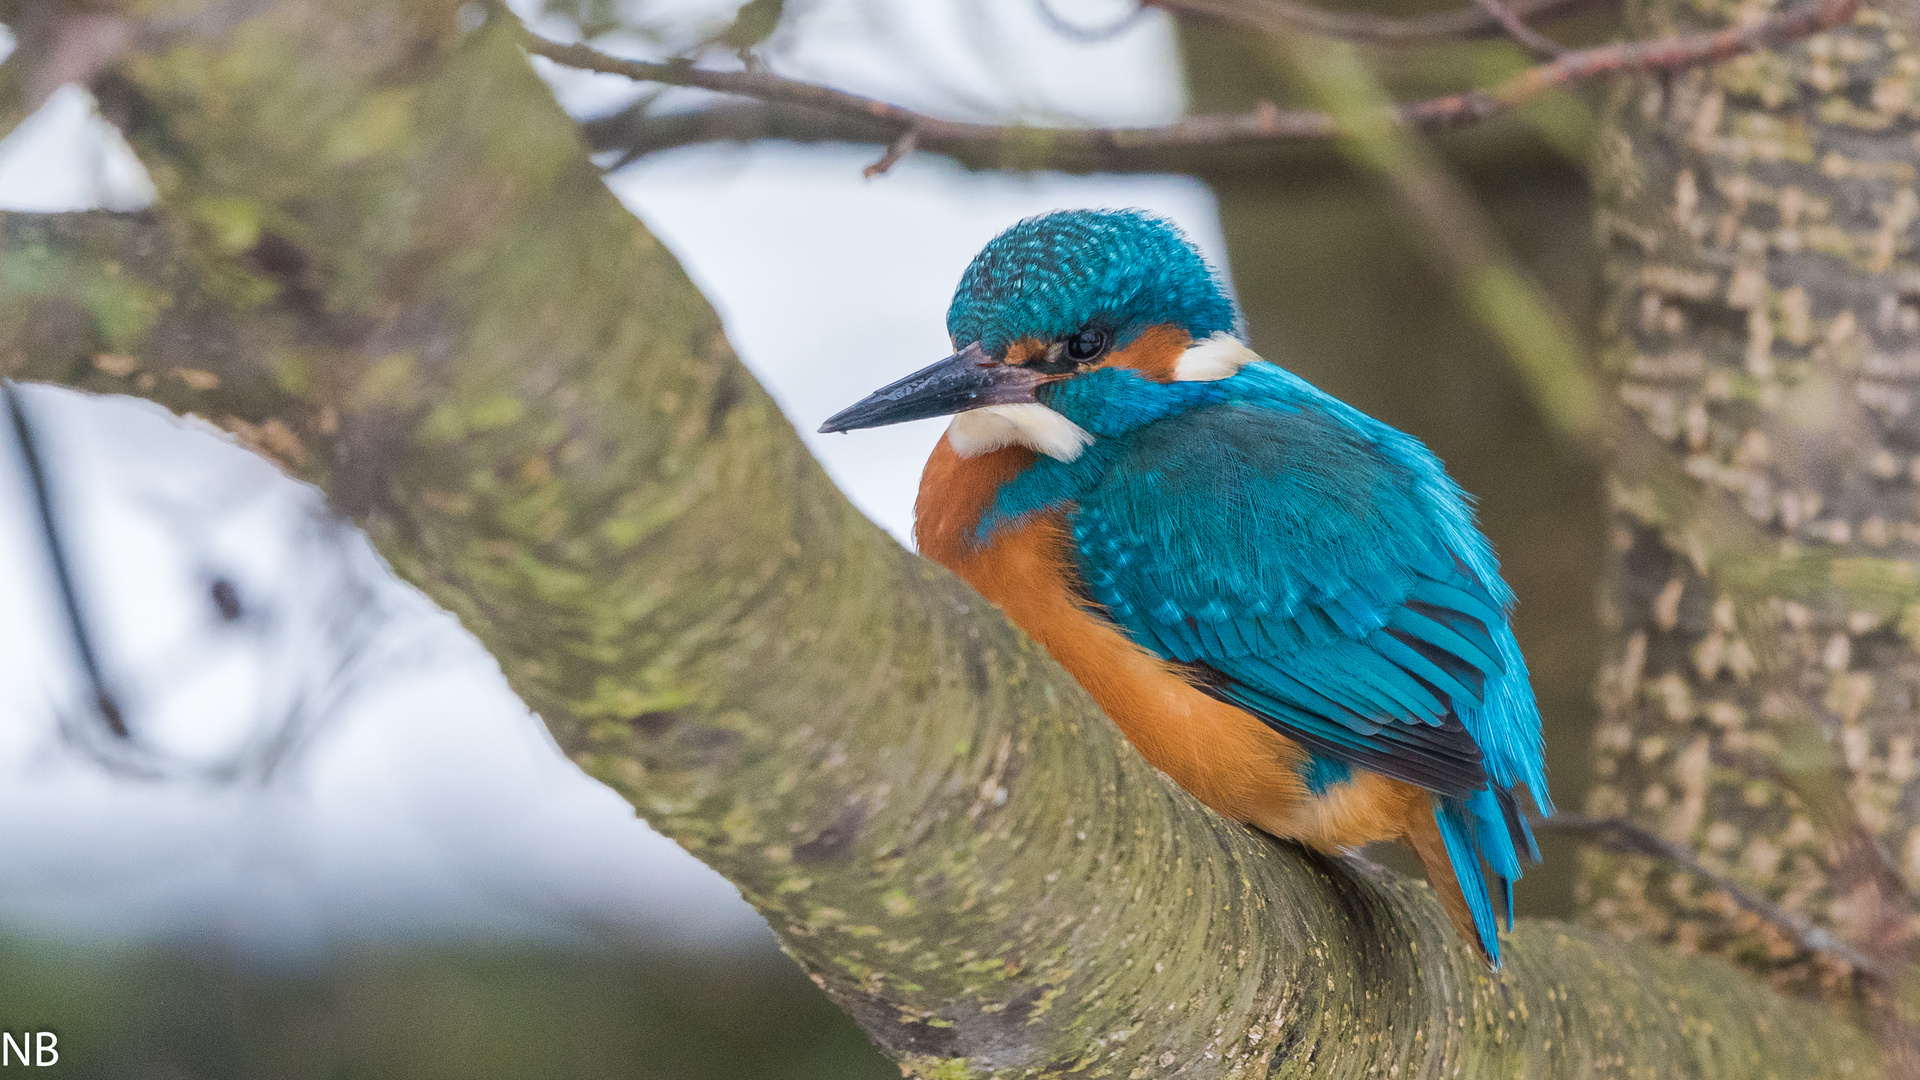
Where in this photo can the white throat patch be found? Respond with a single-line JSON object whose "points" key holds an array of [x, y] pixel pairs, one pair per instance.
{"points": [[1031, 425], [1218, 357]]}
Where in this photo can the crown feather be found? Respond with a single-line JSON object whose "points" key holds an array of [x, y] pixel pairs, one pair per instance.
{"points": [[1053, 275]]}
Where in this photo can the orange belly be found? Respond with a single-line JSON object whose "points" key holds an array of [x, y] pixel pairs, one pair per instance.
{"points": [[1226, 757]]}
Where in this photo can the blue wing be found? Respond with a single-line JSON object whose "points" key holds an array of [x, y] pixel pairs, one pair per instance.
{"points": [[1319, 570]]}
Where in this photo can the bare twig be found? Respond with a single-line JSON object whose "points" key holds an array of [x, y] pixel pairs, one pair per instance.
{"points": [[329, 667], [933, 130], [1206, 130], [106, 704], [1278, 17], [1627, 838], [1537, 43], [1088, 34], [1263, 127], [1680, 51], [896, 150]]}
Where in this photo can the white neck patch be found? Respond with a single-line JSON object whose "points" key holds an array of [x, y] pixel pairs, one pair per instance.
{"points": [[1218, 357], [1031, 425]]}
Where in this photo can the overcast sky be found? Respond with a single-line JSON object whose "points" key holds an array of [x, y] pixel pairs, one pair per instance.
{"points": [[431, 803]]}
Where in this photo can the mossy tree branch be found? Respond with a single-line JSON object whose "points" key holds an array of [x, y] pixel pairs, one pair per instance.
{"points": [[381, 256]]}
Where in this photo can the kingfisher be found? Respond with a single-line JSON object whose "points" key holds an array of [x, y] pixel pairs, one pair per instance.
{"points": [[1284, 603]]}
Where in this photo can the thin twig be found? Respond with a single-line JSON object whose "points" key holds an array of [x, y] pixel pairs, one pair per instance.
{"points": [[1088, 35], [1627, 838], [1536, 42], [896, 150], [1261, 127], [104, 701], [1287, 17], [1198, 130], [1680, 51]]}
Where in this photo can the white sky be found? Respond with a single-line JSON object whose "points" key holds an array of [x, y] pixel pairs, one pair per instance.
{"points": [[432, 804]]}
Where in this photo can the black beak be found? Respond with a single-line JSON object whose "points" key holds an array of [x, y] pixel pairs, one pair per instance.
{"points": [[969, 379]]}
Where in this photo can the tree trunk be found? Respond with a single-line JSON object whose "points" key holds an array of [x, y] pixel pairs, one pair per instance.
{"points": [[1759, 220], [381, 257]]}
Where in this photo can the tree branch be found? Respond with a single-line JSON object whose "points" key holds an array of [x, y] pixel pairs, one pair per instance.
{"points": [[1087, 34], [898, 149], [1282, 17], [105, 703], [466, 341], [1123, 148], [1537, 43], [1623, 836]]}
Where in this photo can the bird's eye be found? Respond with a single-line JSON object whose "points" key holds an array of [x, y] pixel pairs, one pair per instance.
{"points": [[1087, 344]]}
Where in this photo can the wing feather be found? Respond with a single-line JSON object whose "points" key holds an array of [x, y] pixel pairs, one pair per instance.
{"points": [[1289, 565]]}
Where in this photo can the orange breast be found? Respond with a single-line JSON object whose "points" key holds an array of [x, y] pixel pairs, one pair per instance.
{"points": [[1227, 758]]}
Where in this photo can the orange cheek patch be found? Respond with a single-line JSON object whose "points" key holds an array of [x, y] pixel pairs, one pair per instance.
{"points": [[1155, 353], [1026, 349]]}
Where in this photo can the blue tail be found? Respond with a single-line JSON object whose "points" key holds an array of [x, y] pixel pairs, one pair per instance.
{"points": [[1485, 832]]}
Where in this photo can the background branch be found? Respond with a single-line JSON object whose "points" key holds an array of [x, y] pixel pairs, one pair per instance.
{"points": [[1623, 836], [1516, 27], [1016, 146], [1281, 17], [1087, 34], [105, 703]]}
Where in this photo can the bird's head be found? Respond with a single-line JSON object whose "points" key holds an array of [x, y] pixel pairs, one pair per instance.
{"points": [[1069, 326]]}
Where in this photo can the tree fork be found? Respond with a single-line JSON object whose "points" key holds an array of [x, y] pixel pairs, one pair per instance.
{"points": [[381, 257]]}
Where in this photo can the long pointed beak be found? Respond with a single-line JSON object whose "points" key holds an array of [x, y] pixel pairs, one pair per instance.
{"points": [[969, 379]]}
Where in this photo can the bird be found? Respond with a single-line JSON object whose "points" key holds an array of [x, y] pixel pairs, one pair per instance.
{"points": [[1285, 604]]}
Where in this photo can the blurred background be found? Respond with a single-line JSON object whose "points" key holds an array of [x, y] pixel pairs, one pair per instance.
{"points": [[349, 851]]}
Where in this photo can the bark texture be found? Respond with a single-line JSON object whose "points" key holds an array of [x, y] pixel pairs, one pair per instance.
{"points": [[1760, 221], [382, 258]]}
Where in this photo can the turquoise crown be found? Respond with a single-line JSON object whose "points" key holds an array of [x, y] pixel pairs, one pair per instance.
{"points": [[1054, 275]]}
